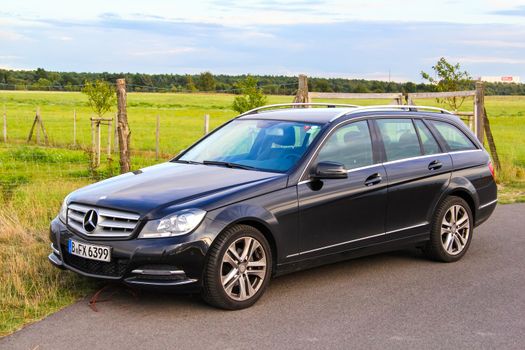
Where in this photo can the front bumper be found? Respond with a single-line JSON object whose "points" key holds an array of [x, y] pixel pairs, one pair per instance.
{"points": [[175, 262]]}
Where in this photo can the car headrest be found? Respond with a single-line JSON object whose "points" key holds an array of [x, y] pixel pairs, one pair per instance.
{"points": [[407, 137], [352, 136], [287, 138]]}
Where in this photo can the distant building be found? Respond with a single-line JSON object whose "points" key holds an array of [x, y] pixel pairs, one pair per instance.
{"points": [[500, 79]]}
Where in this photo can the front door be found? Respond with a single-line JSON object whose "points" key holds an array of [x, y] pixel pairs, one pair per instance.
{"points": [[334, 214]]}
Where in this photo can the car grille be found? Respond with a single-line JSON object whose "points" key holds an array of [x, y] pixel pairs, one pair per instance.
{"points": [[111, 223], [115, 268]]}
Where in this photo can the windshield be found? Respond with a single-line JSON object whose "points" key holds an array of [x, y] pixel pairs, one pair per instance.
{"points": [[270, 145]]}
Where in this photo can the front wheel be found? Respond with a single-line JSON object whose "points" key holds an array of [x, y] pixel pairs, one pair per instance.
{"points": [[238, 268], [451, 233]]}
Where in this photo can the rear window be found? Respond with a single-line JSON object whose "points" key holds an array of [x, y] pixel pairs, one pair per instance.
{"points": [[455, 138]]}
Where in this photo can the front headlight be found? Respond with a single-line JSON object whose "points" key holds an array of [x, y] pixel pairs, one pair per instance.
{"points": [[62, 215], [177, 224]]}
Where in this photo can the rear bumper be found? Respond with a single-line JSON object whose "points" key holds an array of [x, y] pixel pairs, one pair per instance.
{"points": [[485, 211], [169, 263]]}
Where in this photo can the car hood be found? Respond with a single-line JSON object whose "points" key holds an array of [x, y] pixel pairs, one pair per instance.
{"points": [[148, 190]]}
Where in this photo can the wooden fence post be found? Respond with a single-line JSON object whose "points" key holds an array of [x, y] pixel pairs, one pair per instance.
{"points": [[5, 125], [302, 91], [37, 119], [39, 124], [115, 126], [206, 124], [479, 105], [46, 140], [110, 132], [98, 144], [74, 127], [490, 140], [93, 153], [123, 128], [157, 138]]}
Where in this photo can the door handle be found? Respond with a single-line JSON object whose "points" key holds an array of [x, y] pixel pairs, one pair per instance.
{"points": [[435, 165], [373, 179]]}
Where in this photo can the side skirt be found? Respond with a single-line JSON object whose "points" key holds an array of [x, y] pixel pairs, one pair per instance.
{"points": [[376, 248]]}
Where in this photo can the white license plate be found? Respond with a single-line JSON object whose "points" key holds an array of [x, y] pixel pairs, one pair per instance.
{"points": [[89, 251]]}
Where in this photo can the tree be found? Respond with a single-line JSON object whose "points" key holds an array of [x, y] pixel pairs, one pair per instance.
{"points": [[251, 96], [449, 77], [42, 84], [190, 85], [206, 82], [321, 85], [101, 96]]}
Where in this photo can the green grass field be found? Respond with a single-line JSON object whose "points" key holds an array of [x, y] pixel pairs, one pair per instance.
{"points": [[34, 180], [182, 117]]}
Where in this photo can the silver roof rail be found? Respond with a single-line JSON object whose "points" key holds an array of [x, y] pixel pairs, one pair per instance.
{"points": [[404, 107], [313, 104], [394, 107], [408, 108]]}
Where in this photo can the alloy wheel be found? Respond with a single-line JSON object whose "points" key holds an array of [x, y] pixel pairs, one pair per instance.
{"points": [[455, 229], [243, 268]]}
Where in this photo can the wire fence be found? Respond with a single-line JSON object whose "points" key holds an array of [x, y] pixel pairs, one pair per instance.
{"points": [[165, 130], [59, 153], [58, 146], [277, 88]]}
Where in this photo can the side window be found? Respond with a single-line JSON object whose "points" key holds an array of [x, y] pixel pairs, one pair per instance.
{"points": [[350, 145], [429, 143], [455, 138], [400, 138]]}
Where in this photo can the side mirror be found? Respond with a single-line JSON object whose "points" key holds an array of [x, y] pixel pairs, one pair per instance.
{"points": [[330, 170]]}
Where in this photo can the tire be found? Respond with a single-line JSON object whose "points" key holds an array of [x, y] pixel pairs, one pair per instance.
{"points": [[236, 259], [449, 241]]}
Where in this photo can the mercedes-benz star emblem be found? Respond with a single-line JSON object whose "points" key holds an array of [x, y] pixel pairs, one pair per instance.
{"points": [[90, 221]]}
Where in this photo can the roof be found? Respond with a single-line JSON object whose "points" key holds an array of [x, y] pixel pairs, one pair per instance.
{"points": [[329, 114]]}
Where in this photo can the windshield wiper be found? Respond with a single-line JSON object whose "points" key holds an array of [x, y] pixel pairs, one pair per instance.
{"points": [[228, 164], [185, 161]]}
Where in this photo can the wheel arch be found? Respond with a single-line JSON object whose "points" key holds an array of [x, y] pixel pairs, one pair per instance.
{"points": [[464, 189], [265, 230], [468, 198]]}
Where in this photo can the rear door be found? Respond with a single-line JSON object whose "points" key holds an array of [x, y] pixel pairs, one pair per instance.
{"points": [[337, 213], [418, 170], [466, 156]]}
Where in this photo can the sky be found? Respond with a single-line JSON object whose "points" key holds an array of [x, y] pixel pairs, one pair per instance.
{"points": [[383, 39]]}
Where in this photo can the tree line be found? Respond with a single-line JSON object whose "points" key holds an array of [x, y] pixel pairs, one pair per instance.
{"points": [[41, 79]]}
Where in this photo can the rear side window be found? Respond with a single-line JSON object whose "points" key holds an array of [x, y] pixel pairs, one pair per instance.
{"points": [[350, 145], [455, 138], [400, 138], [429, 143]]}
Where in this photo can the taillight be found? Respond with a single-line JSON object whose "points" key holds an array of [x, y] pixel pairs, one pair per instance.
{"points": [[491, 168]]}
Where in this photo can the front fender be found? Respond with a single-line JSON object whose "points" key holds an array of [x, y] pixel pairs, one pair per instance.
{"points": [[276, 214]]}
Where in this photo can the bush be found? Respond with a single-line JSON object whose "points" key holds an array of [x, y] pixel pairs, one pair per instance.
{"points": [[252, 96], [101, 96]]}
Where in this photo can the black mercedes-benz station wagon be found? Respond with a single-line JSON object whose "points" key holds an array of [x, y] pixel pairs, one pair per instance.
{"points": [[280, 189]]}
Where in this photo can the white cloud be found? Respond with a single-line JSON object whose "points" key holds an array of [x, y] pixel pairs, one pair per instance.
{"points": [[166, 52], [494, 43], [9, 57], [487, 59], [11, 36], [275, 12]]}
